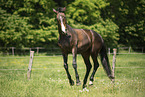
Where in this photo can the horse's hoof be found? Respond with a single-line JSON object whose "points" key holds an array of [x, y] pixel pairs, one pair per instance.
{"points": [[78, 83], [111, 77], [72, 83], [90, 83], [84, 86]]}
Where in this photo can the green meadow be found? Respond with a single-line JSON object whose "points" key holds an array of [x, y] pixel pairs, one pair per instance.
{"points": [[48, 77]]}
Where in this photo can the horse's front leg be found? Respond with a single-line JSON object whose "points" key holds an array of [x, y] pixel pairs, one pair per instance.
{"points": [[65, 56], [74, 52]]}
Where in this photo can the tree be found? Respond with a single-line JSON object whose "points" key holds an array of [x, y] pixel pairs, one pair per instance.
{"points": [[129, 16], [13, 30], [27, 23]]}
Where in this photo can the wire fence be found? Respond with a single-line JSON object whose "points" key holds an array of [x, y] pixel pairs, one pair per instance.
{"points": [[63, 68], [26, 58], [57, 62], [57, 51], [26, 51]]}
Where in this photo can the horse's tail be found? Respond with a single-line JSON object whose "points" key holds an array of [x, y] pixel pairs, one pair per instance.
{"points": [[105, 62]]}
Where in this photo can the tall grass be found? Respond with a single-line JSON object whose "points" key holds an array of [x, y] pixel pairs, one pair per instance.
{"points": [[48, 78]]}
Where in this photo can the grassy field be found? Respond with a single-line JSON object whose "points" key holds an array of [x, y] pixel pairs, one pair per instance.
{"points": [[48, 78]]}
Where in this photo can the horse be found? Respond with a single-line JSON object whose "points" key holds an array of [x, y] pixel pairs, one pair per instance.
{"points": [[81, 41]]}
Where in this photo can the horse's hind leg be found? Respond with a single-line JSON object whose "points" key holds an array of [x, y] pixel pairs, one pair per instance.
{"points": [[96, 65], [88, 66]]}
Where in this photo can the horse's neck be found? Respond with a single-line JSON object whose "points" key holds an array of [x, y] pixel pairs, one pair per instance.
{"points": [[68, 35], [69, 30], [68, 26], [59, 29]]}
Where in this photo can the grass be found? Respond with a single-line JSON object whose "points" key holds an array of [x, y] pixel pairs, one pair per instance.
{"points": [[48, 78]]}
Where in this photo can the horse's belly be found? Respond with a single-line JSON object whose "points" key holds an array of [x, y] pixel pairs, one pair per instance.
{"points": [[83, 48], [83, 45]]}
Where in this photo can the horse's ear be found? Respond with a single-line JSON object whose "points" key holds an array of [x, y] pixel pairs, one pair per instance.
{"points": [[55, 10]]}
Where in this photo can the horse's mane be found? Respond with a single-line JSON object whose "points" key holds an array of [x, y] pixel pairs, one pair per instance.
{"points": [[70, 29]]}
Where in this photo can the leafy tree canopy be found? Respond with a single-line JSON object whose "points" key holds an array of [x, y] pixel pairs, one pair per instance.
{"points": [[29, 23]]}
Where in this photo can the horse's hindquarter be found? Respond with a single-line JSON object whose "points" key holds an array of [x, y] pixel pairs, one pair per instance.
{"points": [[97, 42]]}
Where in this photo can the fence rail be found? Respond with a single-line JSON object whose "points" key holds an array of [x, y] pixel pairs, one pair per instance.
{"points": [[56, 51]]}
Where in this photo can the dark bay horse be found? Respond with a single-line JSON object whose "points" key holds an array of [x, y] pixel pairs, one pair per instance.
{"points": [[85, 42]]}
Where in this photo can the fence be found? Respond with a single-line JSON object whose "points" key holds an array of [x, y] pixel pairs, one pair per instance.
{"points": [[56, 51], [26, 51], [128, 50]]}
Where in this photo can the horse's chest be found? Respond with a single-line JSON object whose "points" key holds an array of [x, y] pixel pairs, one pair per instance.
{"points": [[64, 43]]}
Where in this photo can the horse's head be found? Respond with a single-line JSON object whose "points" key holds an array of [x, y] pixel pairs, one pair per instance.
{"points": [[61, 18]]}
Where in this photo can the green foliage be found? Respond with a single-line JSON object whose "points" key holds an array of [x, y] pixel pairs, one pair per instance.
{"points": [[14, 30], [86, 11], [29, 23], [128, 15]]}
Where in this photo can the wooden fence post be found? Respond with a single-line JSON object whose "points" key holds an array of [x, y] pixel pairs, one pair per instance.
{"points": [[113, 63], [37, 50], [30, 49], [142, 49], [109, 51], [129, 49], [30, 65], [13, 52]]}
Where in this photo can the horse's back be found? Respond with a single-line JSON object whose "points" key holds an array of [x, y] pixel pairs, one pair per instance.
{"points": [[88, 40]]}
